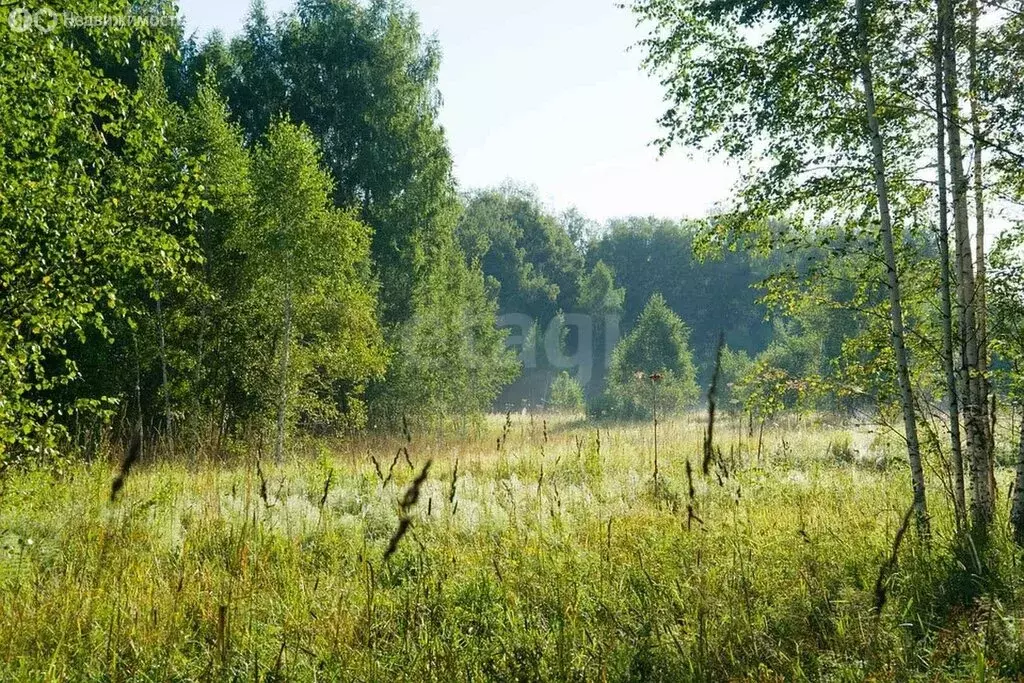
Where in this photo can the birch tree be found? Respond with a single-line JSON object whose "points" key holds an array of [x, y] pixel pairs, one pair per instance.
{"points": [[311, 264], [946, 287], [974, 383], [895, 300], [806, 94]]}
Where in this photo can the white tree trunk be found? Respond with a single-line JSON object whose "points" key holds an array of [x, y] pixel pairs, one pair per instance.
{"points": [[1017, 511], [952, 392], [895, 298], [981, 275], [163, 367], [975, 405], [282, 399]]}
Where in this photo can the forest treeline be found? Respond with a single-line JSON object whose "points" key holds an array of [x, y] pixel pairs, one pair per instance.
{"points": [[208, 239], [232, 235], [222, 239]]}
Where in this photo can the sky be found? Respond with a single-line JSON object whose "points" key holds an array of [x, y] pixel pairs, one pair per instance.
{"points": [[546, 93]]}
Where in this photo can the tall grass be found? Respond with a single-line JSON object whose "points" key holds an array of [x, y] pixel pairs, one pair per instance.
{"points": [[549, 557]]}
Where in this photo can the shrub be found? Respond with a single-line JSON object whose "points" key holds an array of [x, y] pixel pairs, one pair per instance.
{"points": [[737, 366], [567, 394], [658, 344]]}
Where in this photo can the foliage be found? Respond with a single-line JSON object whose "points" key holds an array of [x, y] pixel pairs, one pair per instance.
{"points": [[190, 259], [777, 84], [309, 263], [598, 293], [713, 294], [451, 358], [527, 253], [94, 197], [657, 345], [737, 369], [362, 78], [603, 302], [751, 81], [567, 394], [192, 240], [221, 359]]}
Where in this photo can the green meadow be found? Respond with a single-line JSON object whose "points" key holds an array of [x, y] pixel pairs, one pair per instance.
{"points": [[536, 550]]}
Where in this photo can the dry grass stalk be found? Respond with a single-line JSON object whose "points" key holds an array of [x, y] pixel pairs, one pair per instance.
{"points": [[327, 489], [886, 569], [455, 480], [411, 497], [391, 469], [504, 431], [263, 483], [709, 435], [130, 458]]}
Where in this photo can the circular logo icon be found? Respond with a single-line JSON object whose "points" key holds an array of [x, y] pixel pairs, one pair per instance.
{"points": [[46, 20], [20, 20]]}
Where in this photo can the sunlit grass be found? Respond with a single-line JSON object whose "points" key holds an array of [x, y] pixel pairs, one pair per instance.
{"points": [[556, 558]]}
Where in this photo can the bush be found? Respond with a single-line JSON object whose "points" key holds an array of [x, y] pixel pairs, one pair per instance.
{"points": [[658, 345], [567, 394], [841, 449], [737, 366]]}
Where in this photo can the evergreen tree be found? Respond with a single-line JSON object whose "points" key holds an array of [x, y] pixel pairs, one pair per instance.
{"points": [[657, 347]]}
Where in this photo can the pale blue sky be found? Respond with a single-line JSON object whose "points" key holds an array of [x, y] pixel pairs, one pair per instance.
{"points": [[545, 92]]}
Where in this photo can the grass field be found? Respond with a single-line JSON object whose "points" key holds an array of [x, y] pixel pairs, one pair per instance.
{"points": [[550, 554]]}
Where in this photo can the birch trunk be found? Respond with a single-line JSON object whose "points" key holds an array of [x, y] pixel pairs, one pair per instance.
{"points": [[979, 188], [895, 298], [163, 367], [1017, 511], [952, 393], [981, 296], [282, 399], [975, 406]]}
